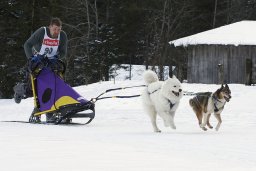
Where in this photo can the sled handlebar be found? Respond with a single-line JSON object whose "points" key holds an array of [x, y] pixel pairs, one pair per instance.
{"points": [[59, 65]]}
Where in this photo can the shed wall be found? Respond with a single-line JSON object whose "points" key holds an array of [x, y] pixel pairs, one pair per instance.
{"points": [[204, 60]]}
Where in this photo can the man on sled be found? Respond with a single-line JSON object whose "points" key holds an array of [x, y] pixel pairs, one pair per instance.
{"points": [[52, 96], [46, 44]]}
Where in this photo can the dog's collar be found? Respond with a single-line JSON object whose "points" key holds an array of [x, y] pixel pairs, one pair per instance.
{"points": [[215, 98]]}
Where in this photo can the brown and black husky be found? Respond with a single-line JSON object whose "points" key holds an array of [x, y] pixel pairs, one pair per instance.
{"points": [[206, 103]]}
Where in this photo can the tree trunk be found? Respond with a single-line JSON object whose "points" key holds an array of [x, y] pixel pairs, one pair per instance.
{"points": [[214, 14]]}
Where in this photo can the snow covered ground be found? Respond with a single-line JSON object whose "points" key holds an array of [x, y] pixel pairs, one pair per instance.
{"points": [[121, 136]]}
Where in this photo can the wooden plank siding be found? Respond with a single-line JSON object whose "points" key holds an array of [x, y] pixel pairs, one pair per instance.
{"points": [[203, 63], [253, 54]]}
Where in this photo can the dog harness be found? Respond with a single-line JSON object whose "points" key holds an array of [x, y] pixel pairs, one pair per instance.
{"points": [[170, 103], [153, 91], [215, 101]]}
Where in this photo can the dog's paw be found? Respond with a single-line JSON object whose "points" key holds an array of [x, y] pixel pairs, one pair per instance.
{"points": [[203, 128], [157, 131], [209, 126], [173, 126]]}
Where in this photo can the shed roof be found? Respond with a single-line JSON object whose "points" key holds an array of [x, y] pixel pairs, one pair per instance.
{"points": [[239, 33]]}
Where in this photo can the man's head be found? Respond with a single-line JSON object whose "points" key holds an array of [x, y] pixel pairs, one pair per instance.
{"points": [[55, 27]]}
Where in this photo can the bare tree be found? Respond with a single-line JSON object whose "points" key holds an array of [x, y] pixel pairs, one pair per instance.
{"points": [[168, 21]]}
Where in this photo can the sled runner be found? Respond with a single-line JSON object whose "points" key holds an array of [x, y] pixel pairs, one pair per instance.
{"points": [[53, 96]]}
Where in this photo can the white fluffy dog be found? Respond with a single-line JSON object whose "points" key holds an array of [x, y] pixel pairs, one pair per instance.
{"points": [[162, 98]]}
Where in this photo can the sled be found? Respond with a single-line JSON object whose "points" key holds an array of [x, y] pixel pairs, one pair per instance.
{"points": [[52, 95]]}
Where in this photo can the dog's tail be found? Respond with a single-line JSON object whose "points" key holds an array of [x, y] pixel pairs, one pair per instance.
{"points": [[192, 102], [150, 77], [195, 105]]}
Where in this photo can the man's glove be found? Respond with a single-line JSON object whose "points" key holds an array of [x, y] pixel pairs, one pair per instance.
{"points": [[56, 56], [54, 59], [36, 62], [37, 58]]}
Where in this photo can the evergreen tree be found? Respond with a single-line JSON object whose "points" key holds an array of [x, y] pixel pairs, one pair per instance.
{"points": [[106, 32]]}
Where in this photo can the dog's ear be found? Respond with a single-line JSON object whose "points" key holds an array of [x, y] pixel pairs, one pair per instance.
{"points": [[226, 85], [222, 86]]}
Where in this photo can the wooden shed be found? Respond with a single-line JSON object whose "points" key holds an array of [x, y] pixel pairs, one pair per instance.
{"points": [[223, 55]]}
